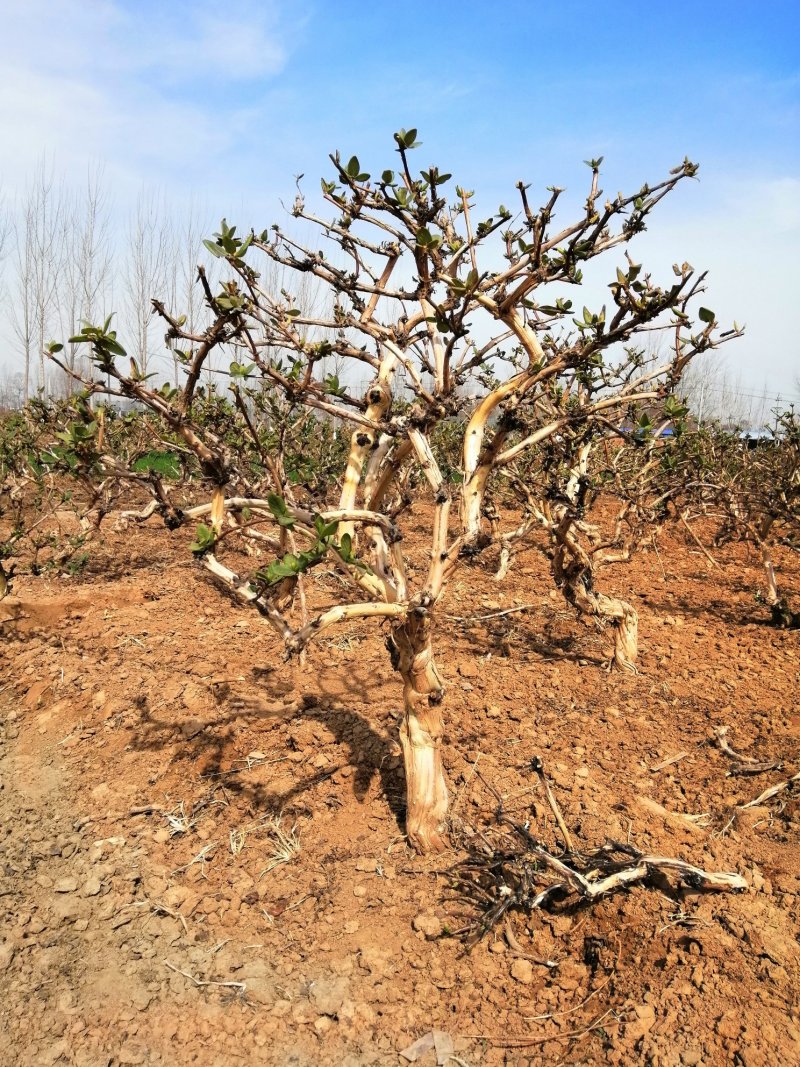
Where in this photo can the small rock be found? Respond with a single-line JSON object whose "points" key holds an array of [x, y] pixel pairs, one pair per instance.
{"points": [[522, 971], [66, 885], [259, 989], [131, 1054], [141, 998], [428, 925], [191, 729], [692, 1057], [642, 1024], [6, 955], [328, 995], [359, 891], [67, 908], [92, 887]]}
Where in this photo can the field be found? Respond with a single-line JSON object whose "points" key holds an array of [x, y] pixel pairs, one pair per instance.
{"points": [[202, 848]]}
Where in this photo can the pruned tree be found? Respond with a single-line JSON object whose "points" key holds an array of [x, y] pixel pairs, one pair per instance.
{"points": [[623, 454], [751, 488], [420, 285]]}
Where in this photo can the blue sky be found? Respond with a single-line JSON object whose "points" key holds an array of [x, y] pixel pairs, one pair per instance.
{"points": [[223, 104]]}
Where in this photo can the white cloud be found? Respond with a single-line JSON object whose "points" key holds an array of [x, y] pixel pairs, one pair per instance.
{"points": [[152, 89], [743, 229]]}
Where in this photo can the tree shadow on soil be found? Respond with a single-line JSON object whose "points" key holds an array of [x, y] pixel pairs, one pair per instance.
{"points": [[545, 645], [209, 746], [752, 615]]}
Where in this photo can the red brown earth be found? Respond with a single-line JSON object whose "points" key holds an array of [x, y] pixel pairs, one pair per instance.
{"points": [[137, 690]]}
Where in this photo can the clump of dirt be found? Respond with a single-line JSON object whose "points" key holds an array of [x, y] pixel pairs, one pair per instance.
{"points": [[202, 856]]}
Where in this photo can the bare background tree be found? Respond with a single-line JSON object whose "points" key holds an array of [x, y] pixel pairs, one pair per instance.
{"points": [[38, 257], [85, 284], [150, 242]]}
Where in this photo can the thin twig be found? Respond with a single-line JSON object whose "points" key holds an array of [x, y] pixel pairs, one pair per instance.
{"points": [[745, 764], [463, 788], [200, 982], [538, 766], [669, 761], [530, 1041], [772, 791], [699, 543], [574, 1008], [493, 615]]}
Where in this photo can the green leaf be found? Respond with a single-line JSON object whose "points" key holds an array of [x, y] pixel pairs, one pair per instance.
{"points": [[277, 505], [407, 139], [204, 539], [214, 249], [706, 315]]}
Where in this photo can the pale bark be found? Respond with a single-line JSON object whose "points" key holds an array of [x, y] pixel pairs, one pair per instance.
{"points": [[575, 579], [421, 732], [769, 570]]}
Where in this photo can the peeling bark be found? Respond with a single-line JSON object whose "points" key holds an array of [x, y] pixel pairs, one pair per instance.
{"points": [[421, 733], [575, 579]]}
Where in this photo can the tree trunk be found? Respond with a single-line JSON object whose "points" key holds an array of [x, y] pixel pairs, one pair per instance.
{"points": [[576, 581], [782, 615], [769, 571], [421, 732], [626, 631]]}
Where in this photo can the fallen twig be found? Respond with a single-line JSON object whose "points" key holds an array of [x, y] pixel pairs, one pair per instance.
{"points": [[518, 871], [200, 982], [157, 908], [492, 615], [528, 1042], [574, 1008], [669, 761], [538, 766], [773, 790], [744, 764], [468, 778], [519, 951], [201, 858]]}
